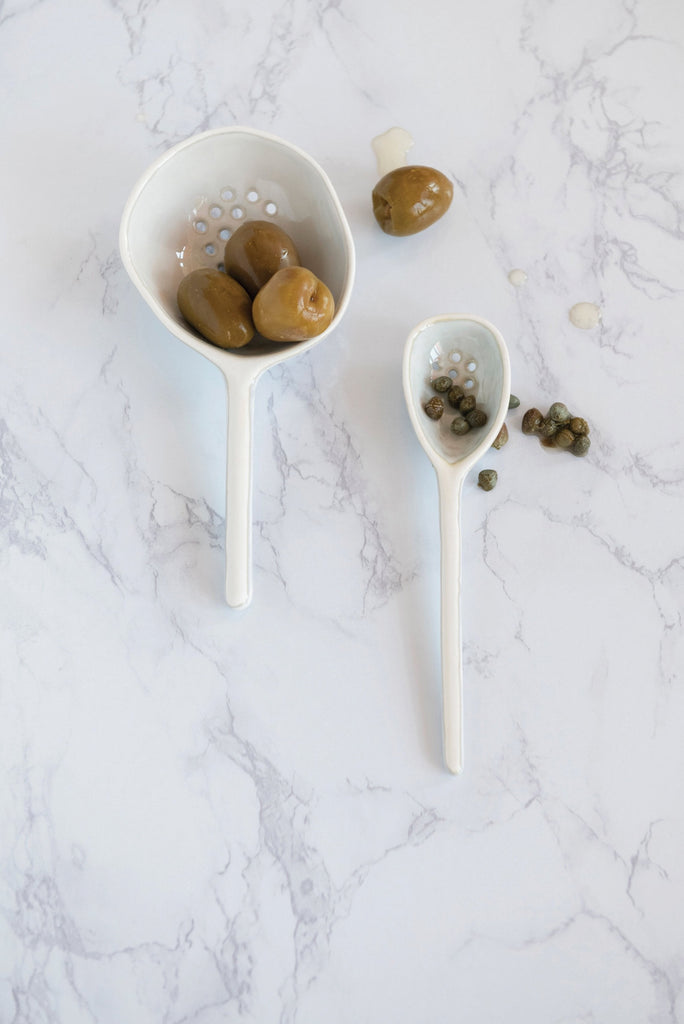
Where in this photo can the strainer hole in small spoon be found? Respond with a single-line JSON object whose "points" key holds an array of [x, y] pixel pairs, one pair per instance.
{"points": [[472, 352], [179, 217]]}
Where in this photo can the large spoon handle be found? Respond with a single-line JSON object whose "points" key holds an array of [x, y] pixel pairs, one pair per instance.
{"points": [[450, 486], [239, 492]]}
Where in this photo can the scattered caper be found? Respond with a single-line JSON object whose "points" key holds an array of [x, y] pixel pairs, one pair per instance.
{"points": [[547, 427], [558, 412], [581, 444], [531, 421], [501, 438], [564, 438], [442, 383], [477, 417], [513, 402], [558, 429], [467, 404], [454, 395], [434, 408], [459, 426], [578, 425], [487, 479]]}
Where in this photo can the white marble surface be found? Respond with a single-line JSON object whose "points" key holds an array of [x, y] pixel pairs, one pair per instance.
{"points": [[208, 816]]}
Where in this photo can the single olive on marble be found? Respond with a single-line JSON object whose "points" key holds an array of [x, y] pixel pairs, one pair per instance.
{"points": [[216, 306], [411, 198], [256, 251], [293, 305]]}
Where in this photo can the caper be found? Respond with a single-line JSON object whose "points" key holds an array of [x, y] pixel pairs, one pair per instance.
{"points": [[442, 383], [564, 438], [531, 421], [477, 417], [513, 402], [434, 408], [547, 427], [411, 198], [559, 429], [467, 405], [459, 426], [578, 425], [487, 479], [454, 395], [580, 446], [558, 412], [501, 438]]}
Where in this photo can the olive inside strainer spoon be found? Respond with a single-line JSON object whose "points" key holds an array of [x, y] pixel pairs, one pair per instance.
{"points": [[472, 352], [178, 218]]}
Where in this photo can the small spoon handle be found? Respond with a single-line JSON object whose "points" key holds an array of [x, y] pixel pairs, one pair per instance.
{"points": [[450, 487], [239, 492]]}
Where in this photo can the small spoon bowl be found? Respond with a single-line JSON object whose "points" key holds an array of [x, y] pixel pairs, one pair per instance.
{"points": [[472, 352], [179, 217]]}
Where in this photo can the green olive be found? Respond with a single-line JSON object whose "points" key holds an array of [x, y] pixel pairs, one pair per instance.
{"points": [[410, 199], [216, 306], [293, 306], [256, 251]]}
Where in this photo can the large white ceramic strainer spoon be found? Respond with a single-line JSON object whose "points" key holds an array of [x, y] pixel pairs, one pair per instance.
{"points": [[474, 354], [179, 217]]}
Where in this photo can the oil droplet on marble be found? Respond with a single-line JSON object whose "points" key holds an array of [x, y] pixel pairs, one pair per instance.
{"points": [[585, 315], [391, 149], [517, 277]]}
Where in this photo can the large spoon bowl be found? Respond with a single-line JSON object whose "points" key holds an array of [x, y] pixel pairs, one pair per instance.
{"points": [[473, 352], [178, 218]]}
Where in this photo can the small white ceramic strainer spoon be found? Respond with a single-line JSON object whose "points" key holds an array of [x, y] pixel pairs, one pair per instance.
{"points": [[178, 218], [474, 354]]}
